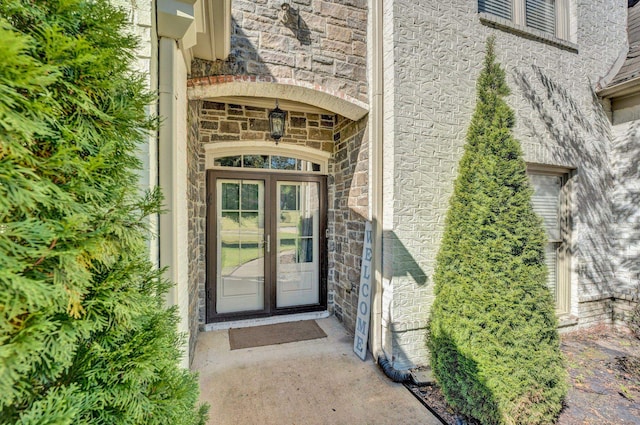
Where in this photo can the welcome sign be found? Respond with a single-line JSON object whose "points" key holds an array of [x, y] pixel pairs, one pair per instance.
{"points": [[364, 297]]}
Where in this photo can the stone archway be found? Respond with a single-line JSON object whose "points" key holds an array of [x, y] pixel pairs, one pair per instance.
{"points": [[270, 88], [230, 114]]}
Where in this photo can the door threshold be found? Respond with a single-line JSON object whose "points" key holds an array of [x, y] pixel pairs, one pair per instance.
{"points": [[219, 326]]}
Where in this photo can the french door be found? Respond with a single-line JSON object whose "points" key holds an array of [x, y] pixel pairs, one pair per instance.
{"points": [[265, 244]]}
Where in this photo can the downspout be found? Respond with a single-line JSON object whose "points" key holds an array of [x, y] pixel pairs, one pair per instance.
{"points": [[376, 174], [377, 183], [166, 100]]}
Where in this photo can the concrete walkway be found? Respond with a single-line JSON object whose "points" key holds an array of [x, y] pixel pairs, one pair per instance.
{"points": [[319, 381]]}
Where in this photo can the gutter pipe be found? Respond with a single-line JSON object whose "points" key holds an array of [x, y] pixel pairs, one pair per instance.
{"points": [[376, 176], [402, 376]]}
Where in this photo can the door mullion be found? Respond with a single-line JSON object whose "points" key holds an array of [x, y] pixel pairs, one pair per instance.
{"points": [[268, 253], [271, 203]]}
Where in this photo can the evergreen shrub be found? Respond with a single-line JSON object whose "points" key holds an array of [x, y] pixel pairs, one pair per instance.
{"points": [[85, 337], [493, 332]]}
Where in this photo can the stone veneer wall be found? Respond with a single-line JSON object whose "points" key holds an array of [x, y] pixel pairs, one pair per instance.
{"points": [[196, 209], [224, 122], [348, 204], [435, 56], [327, 49]]}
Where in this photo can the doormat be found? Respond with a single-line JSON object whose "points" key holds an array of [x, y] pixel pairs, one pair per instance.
{"points": [[281, 333]]}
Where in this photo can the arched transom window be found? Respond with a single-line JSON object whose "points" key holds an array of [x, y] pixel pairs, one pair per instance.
{"points": [[265, 156]]}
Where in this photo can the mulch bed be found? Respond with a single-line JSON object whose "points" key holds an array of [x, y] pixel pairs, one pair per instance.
{"points": [[604, 370]]}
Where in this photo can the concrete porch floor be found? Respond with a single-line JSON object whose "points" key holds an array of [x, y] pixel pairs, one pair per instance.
{"points": [[320, 381]]}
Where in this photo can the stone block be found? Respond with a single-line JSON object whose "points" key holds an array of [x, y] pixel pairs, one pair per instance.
{"points": [[347, 70], [209, 125], [258, 124], [229, 127], [333, 9], [339, 33], [280, 71], [207, 105], [320, 134], [253, 135], [298, 122], [275, 42], [359, 49], [340, 47], [278, 58], [315, 23], [303, 61]]}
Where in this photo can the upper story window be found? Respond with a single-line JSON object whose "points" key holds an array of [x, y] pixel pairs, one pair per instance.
{"points": [[549, 17]]}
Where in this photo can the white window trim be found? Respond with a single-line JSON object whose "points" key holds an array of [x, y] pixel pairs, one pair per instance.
{"points": [[564, 268], [222, 149], [517, 25]]}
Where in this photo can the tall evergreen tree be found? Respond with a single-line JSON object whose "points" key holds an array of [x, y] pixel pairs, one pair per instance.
{"points": [[493, 332], [84, 334]]}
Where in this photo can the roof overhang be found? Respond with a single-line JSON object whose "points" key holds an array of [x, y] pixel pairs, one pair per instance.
{"points": [[624, 89], [202, 27]]}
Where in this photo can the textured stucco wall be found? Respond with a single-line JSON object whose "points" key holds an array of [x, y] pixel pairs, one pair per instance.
{"points": [[438, 50], [626, 198], [328, 47], [141, 20]]}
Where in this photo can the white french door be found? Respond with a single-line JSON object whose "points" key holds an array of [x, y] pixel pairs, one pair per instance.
{"points": [[240, 250], [265, 244], [298, 241]]}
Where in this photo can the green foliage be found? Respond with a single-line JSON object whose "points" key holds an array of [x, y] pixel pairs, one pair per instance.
{"points": [[84, 334], [492, 333]]}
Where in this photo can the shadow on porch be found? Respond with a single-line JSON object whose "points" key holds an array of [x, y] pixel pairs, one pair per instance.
{"points": [[318, 381]]}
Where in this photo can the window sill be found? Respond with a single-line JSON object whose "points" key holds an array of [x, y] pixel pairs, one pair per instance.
{"points": [[507, 25], [566, 320]]}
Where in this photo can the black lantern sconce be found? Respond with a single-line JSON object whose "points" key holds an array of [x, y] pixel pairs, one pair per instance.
{"points": [[277, 118]]}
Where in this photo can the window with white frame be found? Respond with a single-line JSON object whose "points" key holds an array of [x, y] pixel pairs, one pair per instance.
{"points": [[551, 203], [550, 17]]}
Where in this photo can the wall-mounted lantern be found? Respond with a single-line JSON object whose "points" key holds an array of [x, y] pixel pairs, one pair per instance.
{"points": [[286, 16], [277, 119]]}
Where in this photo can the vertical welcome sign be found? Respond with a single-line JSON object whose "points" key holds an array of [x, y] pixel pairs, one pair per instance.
{"points": [[364, 297]]}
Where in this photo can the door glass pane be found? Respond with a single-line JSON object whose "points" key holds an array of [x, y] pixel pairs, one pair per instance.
{"points": [[229, 161], [298, 259], [240, 246], [230, 196], [255, 161], [284, 163], [250, 196], [289, 196]]}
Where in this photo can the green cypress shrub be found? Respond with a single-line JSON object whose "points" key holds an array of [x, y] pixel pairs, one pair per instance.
{"points": [[85, 337], [493, 332]]}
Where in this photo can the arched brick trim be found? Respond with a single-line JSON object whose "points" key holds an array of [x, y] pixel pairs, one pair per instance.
{"points": [[280, 88]]}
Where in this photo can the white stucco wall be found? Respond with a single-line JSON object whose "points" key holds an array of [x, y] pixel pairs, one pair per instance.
{"points": [[626, 198], [438, 50]]}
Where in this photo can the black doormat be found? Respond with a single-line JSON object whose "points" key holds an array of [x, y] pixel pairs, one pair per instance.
{"points": [[258, 336]]}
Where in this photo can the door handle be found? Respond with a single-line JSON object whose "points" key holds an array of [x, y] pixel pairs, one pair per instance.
{"points": [[268, 243]]}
